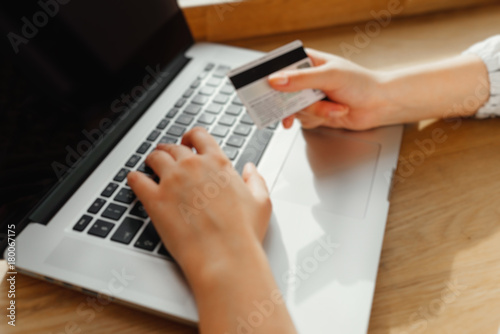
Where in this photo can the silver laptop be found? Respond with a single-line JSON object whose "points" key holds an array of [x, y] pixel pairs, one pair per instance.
{"points": [[329, 188]]}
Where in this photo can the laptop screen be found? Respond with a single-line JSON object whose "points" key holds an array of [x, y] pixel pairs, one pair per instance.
{"points": [[65, 68]]}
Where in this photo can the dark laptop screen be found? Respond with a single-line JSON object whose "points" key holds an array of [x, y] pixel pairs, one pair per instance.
{"points": [[68, 68]]}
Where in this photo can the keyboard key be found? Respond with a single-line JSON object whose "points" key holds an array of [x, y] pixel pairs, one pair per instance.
{"points": [[122, 174], [219, 140], [139, 211], [246, 119], [109, 190], [125, 195], [206, 127], [209, 66], [172, 113], [82, 223], [145, 169], [236, 141], [231, 152], [148, 239], [220, 131], [221, 71], [214, 108], [206, 118], [187, 94], [202, 75], [127, 230], [176, 131], [242, 130], [180, 102], [96, 206], [163, 124], [143, 148], [114, 211], [233, 110], [167, 140], [184, 119], [133, 160], [101, 228], [227, 120], [200, 99], [192, 109], [153, 135], [255, 148], [237, 101], [227, 89], [214, 82], [207, 90], [165, 252], [221, 99], [196, 83]]}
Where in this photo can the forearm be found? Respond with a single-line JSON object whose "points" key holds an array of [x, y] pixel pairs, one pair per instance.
{"points": [[239, 294], [456, 87]]}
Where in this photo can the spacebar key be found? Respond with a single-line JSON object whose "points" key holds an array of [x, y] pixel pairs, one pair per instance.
{"points": [[255, 148]]}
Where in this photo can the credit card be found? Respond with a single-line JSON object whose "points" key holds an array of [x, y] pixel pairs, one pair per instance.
{"points": [[264, 104]]}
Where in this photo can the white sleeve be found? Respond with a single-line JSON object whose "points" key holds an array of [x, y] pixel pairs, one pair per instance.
{"points": [[489, 51]]}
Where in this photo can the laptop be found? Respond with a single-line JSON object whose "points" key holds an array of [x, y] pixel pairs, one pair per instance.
{"points": [[130, 75]]}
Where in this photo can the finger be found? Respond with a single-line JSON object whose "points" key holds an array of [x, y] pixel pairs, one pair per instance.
{"points": [[176, 151], [317, 57], [321, 77], [308, 121], [142, 186], [255, 183], [288, 121], [326, 109], [201, 140], [160, 162]]}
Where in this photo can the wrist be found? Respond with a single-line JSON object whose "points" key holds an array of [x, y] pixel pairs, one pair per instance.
{"points": [[437, 90], [388, 105], [220, 266]]}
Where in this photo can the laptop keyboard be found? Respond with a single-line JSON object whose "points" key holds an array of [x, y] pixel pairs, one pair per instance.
{"points": [[210, 102]]}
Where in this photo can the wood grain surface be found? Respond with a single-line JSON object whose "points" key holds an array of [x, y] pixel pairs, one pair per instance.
{"points": [[440, 264], [251, 18]]}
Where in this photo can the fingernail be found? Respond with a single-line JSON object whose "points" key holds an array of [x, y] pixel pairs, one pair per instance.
{"points": [[279, 79], [249, 167]]}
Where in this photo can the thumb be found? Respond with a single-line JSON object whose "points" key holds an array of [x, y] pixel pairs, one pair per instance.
{"points": [[326, 109], [255, 183], [295, 80]]}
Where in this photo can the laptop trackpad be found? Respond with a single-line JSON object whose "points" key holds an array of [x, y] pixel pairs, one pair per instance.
{"points": [[331, 170]]}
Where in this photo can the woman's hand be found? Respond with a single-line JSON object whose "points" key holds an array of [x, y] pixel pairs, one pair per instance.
{"points": [[202, 209], [361, 99], [213, 222], [354, 95]]}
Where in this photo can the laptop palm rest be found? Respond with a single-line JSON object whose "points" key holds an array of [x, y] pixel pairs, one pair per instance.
{"points": [[329, 170]]}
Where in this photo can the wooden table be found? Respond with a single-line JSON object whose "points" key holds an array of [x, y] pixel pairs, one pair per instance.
{"points": [[440, 265]]}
